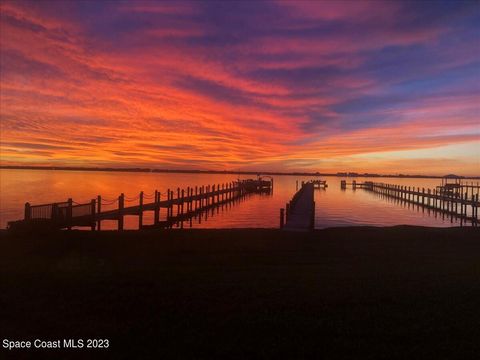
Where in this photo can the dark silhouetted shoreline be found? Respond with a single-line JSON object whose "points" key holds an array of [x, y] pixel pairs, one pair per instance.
{"points": [[230, 172], [340, 293]]}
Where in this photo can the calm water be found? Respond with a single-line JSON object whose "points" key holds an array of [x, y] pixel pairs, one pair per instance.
{"points": [[334, 207]]}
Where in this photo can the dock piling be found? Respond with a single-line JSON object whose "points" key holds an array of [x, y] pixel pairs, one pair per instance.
{"points": [[206, 199], [99, 210], [121, 205], [93, 217], [69, 213], [140, 210], [28, 212]]}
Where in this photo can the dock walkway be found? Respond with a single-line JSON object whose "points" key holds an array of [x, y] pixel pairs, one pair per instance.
{"points": [[188, 203], [300, 213], [463, 203]]}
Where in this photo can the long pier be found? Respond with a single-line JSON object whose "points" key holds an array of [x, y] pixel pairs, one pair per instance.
{"points": [[462, 204], [300, 211], [186, 204]]}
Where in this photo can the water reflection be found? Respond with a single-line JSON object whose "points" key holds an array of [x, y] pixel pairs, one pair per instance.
{"points": [[334, 207]]}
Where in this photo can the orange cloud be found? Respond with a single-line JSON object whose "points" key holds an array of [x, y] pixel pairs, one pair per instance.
{"points": [[195, 86]]}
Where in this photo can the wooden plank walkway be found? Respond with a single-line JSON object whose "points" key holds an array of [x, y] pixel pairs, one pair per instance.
{"points": [[300, 211], [461, 204], [188, 203]]}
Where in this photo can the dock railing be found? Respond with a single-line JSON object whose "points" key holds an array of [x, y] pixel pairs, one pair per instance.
{"points": [[462, 204], [187, 202]]}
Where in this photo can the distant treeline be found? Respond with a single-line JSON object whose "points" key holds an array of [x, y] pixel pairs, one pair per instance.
{"points": [[339, 174]]}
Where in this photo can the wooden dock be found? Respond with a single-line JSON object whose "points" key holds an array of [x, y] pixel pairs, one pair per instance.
{"points": [[186, 204], [317, 184], [462, 204], [354, 185], [300, 211]]}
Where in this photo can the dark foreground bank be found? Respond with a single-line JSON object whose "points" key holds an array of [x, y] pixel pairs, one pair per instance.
{"points": [[346, 293]]}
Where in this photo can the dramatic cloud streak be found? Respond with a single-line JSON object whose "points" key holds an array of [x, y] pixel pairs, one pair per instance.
{"points": [[277, 85]]}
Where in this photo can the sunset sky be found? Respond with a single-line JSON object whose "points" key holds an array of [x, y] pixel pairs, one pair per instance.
{"points": [[383, 86]]}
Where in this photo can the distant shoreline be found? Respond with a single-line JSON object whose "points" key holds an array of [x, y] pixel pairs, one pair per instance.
{"points": [[183, 171]]}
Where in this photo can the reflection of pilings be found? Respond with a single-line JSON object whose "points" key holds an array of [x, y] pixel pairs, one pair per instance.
{"points": [[198, 202], [201, 213], [66, 214], [463, 205]]}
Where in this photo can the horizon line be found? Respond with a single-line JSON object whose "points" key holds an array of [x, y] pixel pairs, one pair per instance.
{"points": [[244, 172]]}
